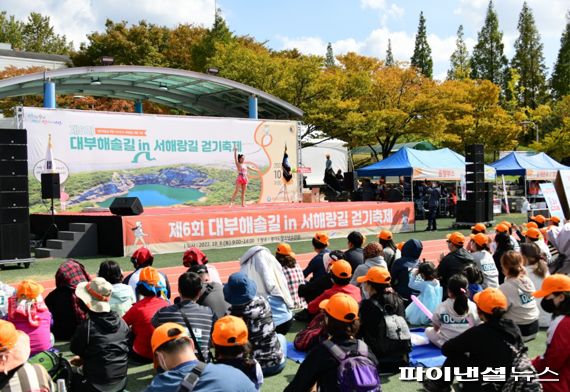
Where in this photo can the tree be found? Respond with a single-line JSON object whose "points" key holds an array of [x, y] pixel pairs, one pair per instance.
{"points": [[218, 35], [460, 66], [38, 36], [488, 60], [389, 56], [529, 62], [11, 30], [421, 58], [557, 142], [560, 81], [329, 58]]}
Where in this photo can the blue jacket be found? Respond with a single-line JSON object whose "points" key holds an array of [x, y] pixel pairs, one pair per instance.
{"points": [[401, 268], [316, 266]]}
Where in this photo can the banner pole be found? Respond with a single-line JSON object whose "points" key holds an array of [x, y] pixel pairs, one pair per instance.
{"points": [[505, 195]]}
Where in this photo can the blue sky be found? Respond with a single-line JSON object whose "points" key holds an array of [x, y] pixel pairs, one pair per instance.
{"points": [[363, 26]]}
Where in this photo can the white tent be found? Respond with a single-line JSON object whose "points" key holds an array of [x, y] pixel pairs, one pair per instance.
{"points": [[314, 158]]}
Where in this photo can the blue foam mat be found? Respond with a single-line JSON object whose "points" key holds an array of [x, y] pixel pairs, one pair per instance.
{"points": [[294, 355]]}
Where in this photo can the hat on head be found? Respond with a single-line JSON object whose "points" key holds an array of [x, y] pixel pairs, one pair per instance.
{"points": [[376, 275], [229, 331], [385, 235], [150, 276], [533, 233], [490, 299], [194, 255], [29, 289], [456, 238], [555, 219], [341, 307], [285, 250], [240, 289], [531, 225], [479, 227], [555, 283], [323, 238], [539, 219], [161, 334], [501, 228], [506, 223], [480, 239], [95, 294], [14, 347], [400, 245], [331, 257], [142, 256], [341, 269]]}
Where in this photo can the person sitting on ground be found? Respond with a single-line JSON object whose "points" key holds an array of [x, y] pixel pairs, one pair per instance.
{"points": [[269, 347], [139, 316], [475, 278], [197, 318], [316, 267], [537, 270], [340, 274], [540, 220], [259, 264], [354, 254], [487, 345], [123, 296], [554, 221], [518, 289], [173, 351], [212, 294], [194, 256], [455, 315], [455, 261], [479, 228], [373, 257], [321, 366], [511, 229], [311, 290], [232, 348], [503, 244], [141, 258], [16, 374], [390, 250], [293, 273], [100, 343], [555, 294], [534, 236], [6, 291], [63, 303], [424, 281], [390, 343], [400, 271], [484, 260], [28, 312]]}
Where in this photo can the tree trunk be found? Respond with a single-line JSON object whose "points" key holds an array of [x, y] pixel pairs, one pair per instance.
{"points": [[374, 153]]}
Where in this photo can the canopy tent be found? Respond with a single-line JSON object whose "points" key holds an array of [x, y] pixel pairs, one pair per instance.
{"points": [[424, 145], [534, 167], [441, 165]]}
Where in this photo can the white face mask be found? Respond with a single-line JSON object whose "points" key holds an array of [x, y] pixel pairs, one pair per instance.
{"points": [[365, 292], [161, 361]]}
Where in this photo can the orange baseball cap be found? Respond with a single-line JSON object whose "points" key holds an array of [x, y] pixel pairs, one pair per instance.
{"points": [[489, 299], [376, 275], [285, 249], [538, 218], [161, 334], [323, 238], [341, 307], [531, 225], [385, 235], [456, 238], [341, 269], [29, 289], [8, 336], [149, 275], [480, 239], [479, 227], [506, 223], [533, 233], [556, 283], [555, 219], [502, 228], [229, 331], [400, 245]]}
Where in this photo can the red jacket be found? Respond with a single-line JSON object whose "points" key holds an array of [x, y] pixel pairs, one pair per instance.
{"points": [[138, 318], [349, 289], [556, 357]]}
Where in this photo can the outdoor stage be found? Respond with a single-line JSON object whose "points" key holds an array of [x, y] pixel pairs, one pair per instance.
{"points": [[173, 229]]}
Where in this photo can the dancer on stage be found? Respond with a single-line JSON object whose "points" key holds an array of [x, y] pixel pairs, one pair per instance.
{"points": [[241, 180]]}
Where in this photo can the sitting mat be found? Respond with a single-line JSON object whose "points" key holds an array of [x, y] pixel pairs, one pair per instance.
{"points": [[427, 355], [294, 355]]}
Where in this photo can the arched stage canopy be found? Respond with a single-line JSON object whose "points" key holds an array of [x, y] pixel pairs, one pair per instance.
{"points": [[193, 92]]}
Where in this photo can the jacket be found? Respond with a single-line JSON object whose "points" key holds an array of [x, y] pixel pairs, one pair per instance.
{"points": [[484, 261], [401, 268], [263, 268], [316, 266], [453, 263], [522, 305], [122, 298], [349, 289], [311, 290], [362, 270], [102, 342], [355, 257], [557, 355], [544, 318]]}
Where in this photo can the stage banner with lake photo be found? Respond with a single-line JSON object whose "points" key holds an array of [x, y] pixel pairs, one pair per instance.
{"points": [[163, 160]]}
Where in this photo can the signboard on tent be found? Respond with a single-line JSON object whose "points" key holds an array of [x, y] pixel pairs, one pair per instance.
{"points": [[548, 175], [552, 201], [449, 174], [562, 185]]}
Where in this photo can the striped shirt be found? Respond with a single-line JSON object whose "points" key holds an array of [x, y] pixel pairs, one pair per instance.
{"points": [[201, 319], [28, 378]]}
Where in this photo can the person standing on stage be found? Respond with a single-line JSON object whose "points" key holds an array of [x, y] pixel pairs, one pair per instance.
{"points": [[241, 180], [433, 205]]}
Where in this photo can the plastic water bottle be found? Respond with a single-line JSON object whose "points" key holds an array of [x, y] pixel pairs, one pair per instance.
{"points": [[61, 387]]}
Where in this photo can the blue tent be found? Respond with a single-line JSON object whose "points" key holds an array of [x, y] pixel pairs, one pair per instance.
{"points": [[518, 164]]}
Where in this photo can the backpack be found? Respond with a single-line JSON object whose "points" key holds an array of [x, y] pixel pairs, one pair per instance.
{"points": [[356, 372], [398, 339], [56, 365], [522, 365], [312, 335], [189, 382]]}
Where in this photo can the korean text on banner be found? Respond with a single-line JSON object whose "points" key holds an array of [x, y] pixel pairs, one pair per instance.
{"points": [[552, 201]]}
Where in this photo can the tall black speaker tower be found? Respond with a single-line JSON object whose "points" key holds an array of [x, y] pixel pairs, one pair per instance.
{"points": [[476, 206], [14, 204]]}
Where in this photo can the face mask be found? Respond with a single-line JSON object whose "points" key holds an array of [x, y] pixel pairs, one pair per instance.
{"points": [[162, 362], [548, 305]]}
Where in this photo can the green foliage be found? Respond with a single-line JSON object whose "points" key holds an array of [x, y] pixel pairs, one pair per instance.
{"points": [[560, 81], [459, 60], [329, 58], [557, 142], [488, 60], [421, 59], [219, 36], [389, 56], [11, 30]]}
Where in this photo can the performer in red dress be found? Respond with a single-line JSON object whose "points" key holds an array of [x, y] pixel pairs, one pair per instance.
{"points": [[241, 180]]}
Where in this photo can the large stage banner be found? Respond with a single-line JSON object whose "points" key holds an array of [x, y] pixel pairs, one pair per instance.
{"points": [[169, 230], [162, 160], [552, 200], [562, 185]]}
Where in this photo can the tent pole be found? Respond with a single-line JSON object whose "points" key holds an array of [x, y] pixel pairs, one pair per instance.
{"points": [[413, 202]]}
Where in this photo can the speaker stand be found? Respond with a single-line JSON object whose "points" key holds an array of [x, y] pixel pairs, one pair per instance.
{"points": [[52, 227]]}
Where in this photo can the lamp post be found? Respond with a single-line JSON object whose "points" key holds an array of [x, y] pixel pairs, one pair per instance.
{"points": [[534, 125]]}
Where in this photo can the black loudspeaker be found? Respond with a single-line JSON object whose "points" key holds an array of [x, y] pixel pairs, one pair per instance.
{"points": [[489, 202], [348, 181], [125, 206], [50, 186], [14, 241]]}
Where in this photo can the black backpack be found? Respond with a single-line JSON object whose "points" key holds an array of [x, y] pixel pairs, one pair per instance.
{"points": [[398, 337]]}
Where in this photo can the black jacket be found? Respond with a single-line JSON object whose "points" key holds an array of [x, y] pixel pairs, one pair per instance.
{"points": [[314, 288], [453, 263], [401, 268], [355, 257], [213, 297], [102, 343], [60, 303]]}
